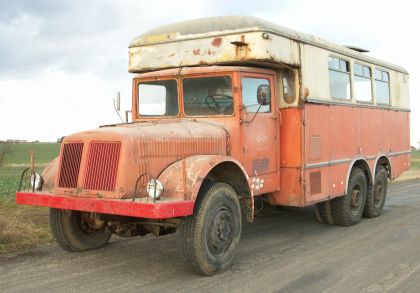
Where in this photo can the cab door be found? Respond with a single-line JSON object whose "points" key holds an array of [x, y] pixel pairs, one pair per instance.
{"points": [[259, 134]]}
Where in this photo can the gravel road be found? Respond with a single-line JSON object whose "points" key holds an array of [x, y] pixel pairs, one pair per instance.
{"points": [[284, 250]]}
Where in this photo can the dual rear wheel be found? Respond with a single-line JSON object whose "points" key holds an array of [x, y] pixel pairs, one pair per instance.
{"points": [[360, 200]]}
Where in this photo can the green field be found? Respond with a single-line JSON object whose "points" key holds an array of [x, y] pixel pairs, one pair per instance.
{"points": [[17, 160], [415, 160], [22, 227], [19, 155]]}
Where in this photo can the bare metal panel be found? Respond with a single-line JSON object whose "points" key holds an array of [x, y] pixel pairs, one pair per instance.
{"points": [[227, 49], [155, 48]]}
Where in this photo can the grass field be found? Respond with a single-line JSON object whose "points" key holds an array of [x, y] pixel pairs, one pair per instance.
{"points": [[44, 152], [415, 160], [22, 227]]}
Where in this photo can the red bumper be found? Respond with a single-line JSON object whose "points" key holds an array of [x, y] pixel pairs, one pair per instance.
{"points": [[159, 210]]}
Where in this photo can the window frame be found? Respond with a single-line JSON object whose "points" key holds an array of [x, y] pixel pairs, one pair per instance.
{"points": [[206, 75], [350, 68], [389, 87], [295, 89], [137, 82], [273, 97], [371, 78]]}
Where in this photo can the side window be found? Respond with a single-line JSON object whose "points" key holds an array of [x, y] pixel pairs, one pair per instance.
{"points": [[249, 94], [362, 83], [382, 87], [339, 73], [158, 98], [289, 87]]}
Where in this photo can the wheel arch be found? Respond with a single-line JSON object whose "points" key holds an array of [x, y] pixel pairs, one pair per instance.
{"points": [[232, 173], [362, 164], [383, 160], [215, 168]]}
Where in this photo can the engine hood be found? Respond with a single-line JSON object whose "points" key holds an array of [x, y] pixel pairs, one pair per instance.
{"points": [[107, 162]]}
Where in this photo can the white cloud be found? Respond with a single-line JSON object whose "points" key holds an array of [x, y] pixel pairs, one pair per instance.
{"points": [[55, 104], [62, 62]]}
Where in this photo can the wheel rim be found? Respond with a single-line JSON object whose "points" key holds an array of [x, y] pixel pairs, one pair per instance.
{"points": [[378, 195], [356, 200], [220, 231]]}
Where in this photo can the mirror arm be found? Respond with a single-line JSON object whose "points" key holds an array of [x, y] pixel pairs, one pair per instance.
{"points": [[255, 115]]}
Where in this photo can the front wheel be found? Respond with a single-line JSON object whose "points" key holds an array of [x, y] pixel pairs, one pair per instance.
{"points": [[209, 236], [78, 231]]}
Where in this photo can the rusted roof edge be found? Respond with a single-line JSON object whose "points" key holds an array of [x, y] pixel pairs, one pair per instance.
{"points": [[280, 31]]}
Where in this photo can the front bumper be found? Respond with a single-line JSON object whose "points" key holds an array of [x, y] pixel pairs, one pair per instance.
{"points": [[162, 209]]}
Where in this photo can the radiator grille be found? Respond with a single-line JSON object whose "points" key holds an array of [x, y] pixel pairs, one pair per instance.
{"points": [[70, 164], [102, 165]]}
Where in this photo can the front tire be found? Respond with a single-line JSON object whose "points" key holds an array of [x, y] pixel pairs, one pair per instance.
{"points": [[209, 236], [347, 210], [375, 199], [75, 231]]}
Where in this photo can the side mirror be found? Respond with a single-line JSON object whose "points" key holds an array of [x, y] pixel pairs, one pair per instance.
{"points": [[263, 95], [117, 102]]}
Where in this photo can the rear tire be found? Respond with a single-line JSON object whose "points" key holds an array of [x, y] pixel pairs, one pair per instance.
{"points": [[72, 233], [209, 236], [375, 199], [347, 210], [324, 212]]}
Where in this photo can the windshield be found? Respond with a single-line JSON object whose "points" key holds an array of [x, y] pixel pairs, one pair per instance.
{"points": [[208, 96], [158, 98]]}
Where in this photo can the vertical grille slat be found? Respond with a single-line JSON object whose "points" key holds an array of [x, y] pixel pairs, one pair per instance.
{"points": [[102, 165], [70, 164]]}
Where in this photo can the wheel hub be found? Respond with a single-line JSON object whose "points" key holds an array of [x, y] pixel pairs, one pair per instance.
{"points": [[378, 195], [356, 200], [220, 236]]}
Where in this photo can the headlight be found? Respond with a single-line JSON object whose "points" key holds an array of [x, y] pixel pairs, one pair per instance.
{"points": [[36, 181], [154, 188]]}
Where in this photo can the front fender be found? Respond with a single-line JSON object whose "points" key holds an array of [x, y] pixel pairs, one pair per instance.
{"points": [[183, 178]]}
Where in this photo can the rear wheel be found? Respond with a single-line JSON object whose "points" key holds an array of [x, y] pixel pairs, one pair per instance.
{"points": [[78, 231], [347, 210], [375, 199], [209, 236], [324, 212]]}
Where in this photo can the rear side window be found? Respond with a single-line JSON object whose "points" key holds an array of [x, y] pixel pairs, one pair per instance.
{"points": [[362, 83], [289, 86], [382, 87], [339, 74]]}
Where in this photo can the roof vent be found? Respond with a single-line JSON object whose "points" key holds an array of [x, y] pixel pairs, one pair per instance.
{"points": [[357, 49]]}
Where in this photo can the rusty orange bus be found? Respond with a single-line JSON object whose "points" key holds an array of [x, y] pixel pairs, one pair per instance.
{"points": [[225, 111]]}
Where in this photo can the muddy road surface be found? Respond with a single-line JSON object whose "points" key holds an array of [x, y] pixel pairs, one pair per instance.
{"points": [[285, 250]]}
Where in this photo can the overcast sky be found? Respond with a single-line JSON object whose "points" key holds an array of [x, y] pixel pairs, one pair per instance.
{"points": [[61, 62]]}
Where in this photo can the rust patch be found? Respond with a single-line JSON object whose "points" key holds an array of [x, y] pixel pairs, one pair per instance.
{"points": [[260, 165], [217, 42], [196, 52], [315, 182]]}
